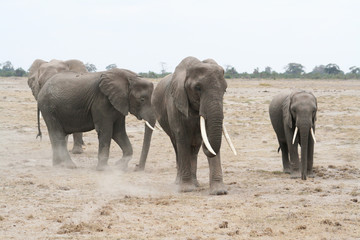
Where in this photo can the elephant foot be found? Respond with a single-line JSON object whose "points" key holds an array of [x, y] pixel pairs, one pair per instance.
{"points": [[295, 174], [139, 168], [77, 150], [66, 164], [310, 174], [287, 170], [218, 188], [102, 167], [122, 164], [187, 187], [196, 182]]}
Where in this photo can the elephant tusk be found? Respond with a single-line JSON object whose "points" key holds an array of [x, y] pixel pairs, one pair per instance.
{"points": [[149, 126], [296, 130], [228, 140], [159, 128], [313, 135], [204, 136]]}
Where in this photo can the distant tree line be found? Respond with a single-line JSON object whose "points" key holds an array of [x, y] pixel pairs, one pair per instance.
{"points": [[292, 70], [7, 70], [296, 70]]}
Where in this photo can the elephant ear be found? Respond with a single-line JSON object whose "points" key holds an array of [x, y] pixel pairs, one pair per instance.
{"points": [[115, 85], [177, 85], [33, 80], [287, 111]]}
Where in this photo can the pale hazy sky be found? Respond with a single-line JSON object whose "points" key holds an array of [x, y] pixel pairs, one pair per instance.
{"points": [[139, 35]]}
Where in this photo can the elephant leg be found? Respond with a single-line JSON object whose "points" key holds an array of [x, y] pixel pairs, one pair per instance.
{"points": [[61, 156], [217, 186], [294, 161], [193, 161], [310, 158], [294, 155], [184, 158], [104, 136], [78, 142], [285, 157], [122, 139]]}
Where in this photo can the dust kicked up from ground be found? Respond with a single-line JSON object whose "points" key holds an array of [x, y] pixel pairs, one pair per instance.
{"points": [[38, 201]]}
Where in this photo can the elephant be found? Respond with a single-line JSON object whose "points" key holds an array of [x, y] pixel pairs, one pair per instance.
{"points": [[293, 118], [40, 71], [184, 102], [72, 102]]}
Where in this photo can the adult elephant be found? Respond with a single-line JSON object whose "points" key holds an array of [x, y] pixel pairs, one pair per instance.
{"points": [[40, 71], [71, 102], [293, 118], [189, 107]]}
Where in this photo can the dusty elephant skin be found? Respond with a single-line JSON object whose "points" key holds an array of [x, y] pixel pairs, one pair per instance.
{"points": [[195, 90], [40, 71], [72, 102], [38, 201], [293, 118]]}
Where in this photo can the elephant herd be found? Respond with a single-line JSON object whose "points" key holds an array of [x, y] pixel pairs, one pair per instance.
{"points": [[187, 104]]}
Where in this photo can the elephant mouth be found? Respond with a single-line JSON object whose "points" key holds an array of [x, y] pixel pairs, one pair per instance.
{"points": [[311, 132]]}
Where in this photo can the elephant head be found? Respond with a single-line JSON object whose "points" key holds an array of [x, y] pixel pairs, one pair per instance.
{"points": [[300, 113], [40, 71], [127, 92], [198, 88]]}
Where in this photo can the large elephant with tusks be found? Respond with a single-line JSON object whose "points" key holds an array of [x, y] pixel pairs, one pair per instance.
{"points": [[189, 107]]}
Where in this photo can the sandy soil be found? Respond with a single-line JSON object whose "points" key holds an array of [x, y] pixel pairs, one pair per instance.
{"points": [[38, 201]]}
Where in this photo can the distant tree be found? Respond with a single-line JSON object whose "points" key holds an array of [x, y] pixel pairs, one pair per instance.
{"points": [[256, 71], [354, 70], [268, 70], [7, 66], [230, 72], [19, 72], [111, 66], [319, 69], [7, 69], [294, 69], [332, 68], [90, 67]]}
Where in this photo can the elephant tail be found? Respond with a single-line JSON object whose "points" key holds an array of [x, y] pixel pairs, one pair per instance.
{"points": [[38, 122], [279, 149]]}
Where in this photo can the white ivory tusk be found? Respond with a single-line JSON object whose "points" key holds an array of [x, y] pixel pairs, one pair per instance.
{"points": [[204, 136], [149, 126], [156, 126], [296, 130], [228, 140], [313, 135]]}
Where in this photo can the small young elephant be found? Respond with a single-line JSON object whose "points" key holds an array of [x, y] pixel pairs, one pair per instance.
{"points": [[293, 118]]}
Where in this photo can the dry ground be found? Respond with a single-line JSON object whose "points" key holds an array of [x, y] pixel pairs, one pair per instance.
{"points": [[38, 201]]}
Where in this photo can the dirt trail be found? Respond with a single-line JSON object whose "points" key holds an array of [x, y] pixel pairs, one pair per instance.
{"points": [[38, 201]]}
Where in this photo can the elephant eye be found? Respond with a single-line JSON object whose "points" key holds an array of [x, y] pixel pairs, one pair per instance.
{"points": [[142, 99], [197, 88]]}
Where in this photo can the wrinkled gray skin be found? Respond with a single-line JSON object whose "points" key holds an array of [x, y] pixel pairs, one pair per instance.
{"points": [[286, 112], [40, 71], [72, 102], [196, 88]]}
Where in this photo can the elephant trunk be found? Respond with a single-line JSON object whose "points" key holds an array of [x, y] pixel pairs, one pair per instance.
{"points": [[150, 119], [214, 120], [304, 141]]}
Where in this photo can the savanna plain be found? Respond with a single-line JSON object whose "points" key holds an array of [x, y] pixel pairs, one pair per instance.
{"points": [[38, 201]]}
